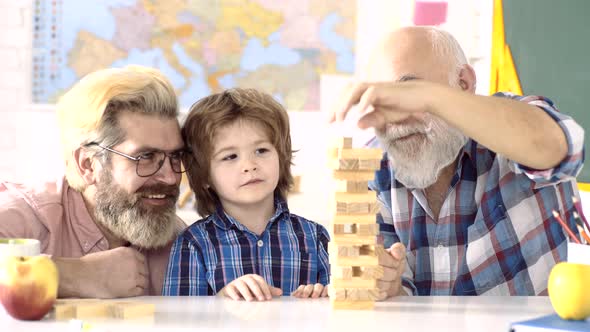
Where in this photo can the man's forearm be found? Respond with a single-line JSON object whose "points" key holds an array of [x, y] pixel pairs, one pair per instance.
{"points": [[519, 131], [72, 278]]}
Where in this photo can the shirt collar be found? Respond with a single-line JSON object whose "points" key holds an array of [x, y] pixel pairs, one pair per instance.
{"points": [[88, 234], [225, 221]]}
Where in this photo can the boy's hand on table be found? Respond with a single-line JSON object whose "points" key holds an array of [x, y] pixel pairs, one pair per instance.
{"points": [[250, 287], [313, 291]]}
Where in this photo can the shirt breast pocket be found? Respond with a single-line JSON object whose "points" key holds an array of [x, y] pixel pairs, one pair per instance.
{"points": [[491, 254]]}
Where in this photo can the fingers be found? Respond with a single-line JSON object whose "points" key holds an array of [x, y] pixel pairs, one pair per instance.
{"points": [[397, 251], [260, 288], [311, 290], [276, 291], [250, 287], [352, 96]]}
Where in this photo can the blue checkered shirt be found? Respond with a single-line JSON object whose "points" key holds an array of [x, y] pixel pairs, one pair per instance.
{"points": [[216, 250], [495, 234]]}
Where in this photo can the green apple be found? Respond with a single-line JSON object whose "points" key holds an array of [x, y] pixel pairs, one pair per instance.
{"points": [[28, 285]]}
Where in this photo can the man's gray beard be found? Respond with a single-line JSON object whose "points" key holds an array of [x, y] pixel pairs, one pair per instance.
{"points": [[125, 216], [418, 161]]}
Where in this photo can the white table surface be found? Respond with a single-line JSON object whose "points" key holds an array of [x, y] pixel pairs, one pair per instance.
{"points": [[398, 314]]}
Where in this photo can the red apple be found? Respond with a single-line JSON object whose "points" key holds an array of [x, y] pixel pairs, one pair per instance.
{"points": [[28, 286]]}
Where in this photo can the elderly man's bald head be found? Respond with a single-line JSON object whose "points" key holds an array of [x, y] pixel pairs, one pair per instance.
{"points": [[416, 53]]}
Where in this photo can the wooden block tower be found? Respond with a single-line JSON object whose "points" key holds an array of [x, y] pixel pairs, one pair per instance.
{"points": [[353, 248]]}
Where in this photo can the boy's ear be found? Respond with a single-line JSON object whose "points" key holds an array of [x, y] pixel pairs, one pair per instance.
{"points": [[84, 165]]}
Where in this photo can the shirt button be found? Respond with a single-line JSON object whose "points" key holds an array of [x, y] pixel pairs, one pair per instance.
{"points": [[260, 243]]}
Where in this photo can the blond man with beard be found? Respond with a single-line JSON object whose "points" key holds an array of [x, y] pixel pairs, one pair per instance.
{"points": [[469, 182], [109, 224]]}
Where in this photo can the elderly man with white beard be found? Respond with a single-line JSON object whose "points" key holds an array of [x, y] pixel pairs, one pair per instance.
{"points": [[109, 224], [468, 183]]}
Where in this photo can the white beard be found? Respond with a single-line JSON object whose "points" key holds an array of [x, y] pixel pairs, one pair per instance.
{"points": [[418, 160]]}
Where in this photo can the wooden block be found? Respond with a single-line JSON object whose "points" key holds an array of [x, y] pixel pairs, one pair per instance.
{"points": [[343, 164], [343, 251], [356, 153], [371, 272], [351, 186], [338, 229], [341, 142], [354, 282], [354, 175], [93, 310], [352, 208], [336, 293], [354, 261], [352, 239], [369, 164], [64, 311], [361, 294], [296, 188], [367, 229], [352, 305], [365, 197], [341, 272], [130, 310], [354, 219]]}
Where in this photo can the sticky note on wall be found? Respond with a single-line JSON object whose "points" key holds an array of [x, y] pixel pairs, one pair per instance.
{"points": [[430, 12]]}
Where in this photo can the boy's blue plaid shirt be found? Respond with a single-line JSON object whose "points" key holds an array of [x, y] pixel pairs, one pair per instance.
{"points": [[214, 251], [495, 233]]}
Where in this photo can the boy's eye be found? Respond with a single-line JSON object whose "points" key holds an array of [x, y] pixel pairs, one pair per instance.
{"points": [[262, 150], [230, 157]]}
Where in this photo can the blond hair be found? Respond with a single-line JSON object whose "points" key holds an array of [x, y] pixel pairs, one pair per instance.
{"points": [[219, 110], [88, 111]]}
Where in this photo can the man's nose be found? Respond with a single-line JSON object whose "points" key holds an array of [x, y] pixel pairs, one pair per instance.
{"points": [[165, 174]]}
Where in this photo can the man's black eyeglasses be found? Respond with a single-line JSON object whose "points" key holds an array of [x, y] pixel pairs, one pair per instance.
{"points": [[149, 163]]}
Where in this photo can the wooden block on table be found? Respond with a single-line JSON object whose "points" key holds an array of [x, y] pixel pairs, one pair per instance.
{"points": [[338, 229], [341, 272], [354, 219], [344, 164], [364, 197], [351, 186], [367, 229], [352, 208], [93, 310], [336, 293], [354, 261], [129, 310], [374, 208], [369, 164], [352, 305], [352, 239], [343, 251], [354, 282], [64, 311], [354, 175], [296, 188], [371, 272], [362, 294]]}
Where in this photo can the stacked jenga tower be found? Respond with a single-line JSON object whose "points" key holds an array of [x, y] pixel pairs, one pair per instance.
{"points": [[353, 248]]}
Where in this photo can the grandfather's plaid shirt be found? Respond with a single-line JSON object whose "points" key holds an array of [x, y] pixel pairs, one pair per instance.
{"points": [[496, 234], [214, 251]]}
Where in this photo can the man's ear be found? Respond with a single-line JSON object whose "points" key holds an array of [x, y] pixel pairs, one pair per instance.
{"points": [[467, 79], [84, 165]]}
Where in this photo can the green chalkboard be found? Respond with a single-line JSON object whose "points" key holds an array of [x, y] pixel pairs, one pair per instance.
{"points": [[550, 44]]}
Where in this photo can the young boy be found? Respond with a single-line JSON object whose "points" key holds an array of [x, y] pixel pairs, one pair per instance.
{"points": [[249, 246]]}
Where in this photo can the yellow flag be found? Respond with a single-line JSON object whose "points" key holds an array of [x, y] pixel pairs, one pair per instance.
{"points": [[504, 76]]}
